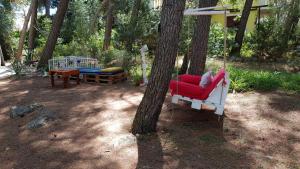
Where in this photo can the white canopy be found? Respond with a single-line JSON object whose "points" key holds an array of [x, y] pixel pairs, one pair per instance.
{"points": [[207, 11], [194, 12]]}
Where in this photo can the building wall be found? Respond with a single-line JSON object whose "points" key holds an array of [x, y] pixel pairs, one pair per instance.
{"points": [[220, 18], [250, 24], [251, 20]]}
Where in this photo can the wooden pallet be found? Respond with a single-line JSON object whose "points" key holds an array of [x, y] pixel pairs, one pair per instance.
{"points": [[108, 79]]}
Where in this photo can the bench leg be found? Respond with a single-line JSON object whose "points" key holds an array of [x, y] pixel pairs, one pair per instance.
{"points": [[78, 79], [66, 81], [52, 80]]}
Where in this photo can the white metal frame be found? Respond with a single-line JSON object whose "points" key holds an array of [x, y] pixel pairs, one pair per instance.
{"points": [[216, 98], [72, 62]]}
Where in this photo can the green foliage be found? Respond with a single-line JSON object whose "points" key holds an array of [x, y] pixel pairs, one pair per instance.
{"points": [[216, 40], [115, 57], [43, 28], [136, 73], [89, 47], [6, 25], [247, 80], [145, 32], [266, 40]]}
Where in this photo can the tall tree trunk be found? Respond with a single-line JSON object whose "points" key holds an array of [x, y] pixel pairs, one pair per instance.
{"points": [[32, 29], [54, 33], [23, 32], [108, 26], [6, 48], [239, 37], [200, 39], [133, 23], [47, 4], [148, 112], [185, 63], [291, 23], [2, 62]]}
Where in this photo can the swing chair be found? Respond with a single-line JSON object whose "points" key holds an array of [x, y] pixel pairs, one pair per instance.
{"points": [[186, 87]]}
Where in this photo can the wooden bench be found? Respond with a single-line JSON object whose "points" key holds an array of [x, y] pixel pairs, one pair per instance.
{"points": [[66, 74], [109, 79]]}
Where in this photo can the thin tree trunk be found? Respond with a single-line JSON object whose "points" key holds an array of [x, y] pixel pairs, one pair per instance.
{"points": [[185, 64], [239, 37], [23, 32], [133, 23], [2, 62], [32, 29], [95, 19], [47, 8], [94, 22], [6, 48], [54, 33], [148, 112], [200, 40], [108, 27]]}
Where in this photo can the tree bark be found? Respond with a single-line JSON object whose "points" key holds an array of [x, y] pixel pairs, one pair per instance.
{"points": [[239, 37], [23, 32], [200, 40], [54, 33], [2, 62], [6, 48], [32, 29], [148, 112], [47, 7], [133, 23], [108, 26]]}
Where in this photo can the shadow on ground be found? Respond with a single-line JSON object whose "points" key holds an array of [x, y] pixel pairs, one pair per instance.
{"points": [[93, 124]]}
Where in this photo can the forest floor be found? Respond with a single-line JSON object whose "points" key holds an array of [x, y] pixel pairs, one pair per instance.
{"points": [[92, 130]]}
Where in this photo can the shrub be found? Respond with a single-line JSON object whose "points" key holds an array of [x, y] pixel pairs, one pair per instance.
{"points": [[115, 57], [137, 75], [247, 80], [216, 40]]}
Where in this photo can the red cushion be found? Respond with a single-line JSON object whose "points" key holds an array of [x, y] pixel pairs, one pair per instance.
{"points": [[193, 79], [194, 91]]}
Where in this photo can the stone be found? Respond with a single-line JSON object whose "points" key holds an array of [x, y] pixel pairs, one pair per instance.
{"points": [[21, 111], [43, 117]]}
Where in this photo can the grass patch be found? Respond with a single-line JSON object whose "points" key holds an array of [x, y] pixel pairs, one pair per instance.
{"points": [[244, 80], [258, 79]]}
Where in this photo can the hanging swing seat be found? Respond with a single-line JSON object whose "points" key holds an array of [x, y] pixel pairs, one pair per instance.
{"points": [[187, 88]]}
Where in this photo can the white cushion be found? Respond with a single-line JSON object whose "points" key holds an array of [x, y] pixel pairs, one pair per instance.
{"points": [[206, 79]]}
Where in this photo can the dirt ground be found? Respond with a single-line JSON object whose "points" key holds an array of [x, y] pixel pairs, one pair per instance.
{"points": [[260, 130]]}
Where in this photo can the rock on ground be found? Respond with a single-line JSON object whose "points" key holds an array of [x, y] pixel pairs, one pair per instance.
{"points": [[21, 111], [41, 119]]}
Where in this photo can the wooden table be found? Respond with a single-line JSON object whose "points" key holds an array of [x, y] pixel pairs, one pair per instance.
{"points": [[65, 75]]}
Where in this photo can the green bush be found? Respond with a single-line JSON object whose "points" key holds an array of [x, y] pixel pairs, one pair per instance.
{"points": [[137, 75], [248, 80], [216, 40], [116, 57], [90, 47]]}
